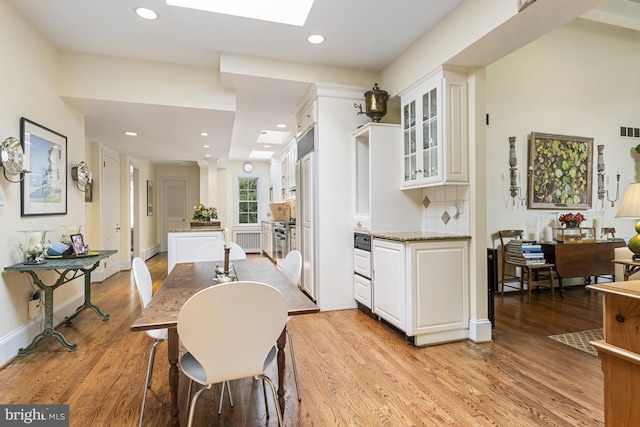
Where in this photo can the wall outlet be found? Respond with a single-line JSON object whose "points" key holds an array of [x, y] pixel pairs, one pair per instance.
{"points": [[34, 308]]}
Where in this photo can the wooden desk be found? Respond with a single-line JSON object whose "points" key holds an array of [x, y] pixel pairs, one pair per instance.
{"points": [[630, 266], [77, 266], [620, 352], [187, 279], [581, 259]]}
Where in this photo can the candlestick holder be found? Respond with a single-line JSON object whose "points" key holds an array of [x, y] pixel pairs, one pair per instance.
{"points": [[227, 250]]}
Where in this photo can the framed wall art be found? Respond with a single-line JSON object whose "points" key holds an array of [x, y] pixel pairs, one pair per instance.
{"points": [[149, 198], [43, 190], [560, 169]]}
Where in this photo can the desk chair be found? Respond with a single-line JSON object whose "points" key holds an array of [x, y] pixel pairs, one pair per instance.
{"points": [[144, 284], [292, 268], [505, 237], [209, 325]]}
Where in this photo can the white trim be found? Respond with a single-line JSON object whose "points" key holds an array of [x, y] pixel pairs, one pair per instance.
{"points": [[480, 330]]}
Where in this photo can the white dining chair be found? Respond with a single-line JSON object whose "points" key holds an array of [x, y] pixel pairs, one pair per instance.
{"points": [[144, 285], [292, 268], [209, 325]]}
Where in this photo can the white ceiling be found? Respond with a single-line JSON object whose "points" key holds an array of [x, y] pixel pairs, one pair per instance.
{"points": [[360, 35]]}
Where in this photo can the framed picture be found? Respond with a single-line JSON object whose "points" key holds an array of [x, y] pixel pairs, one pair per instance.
{"points": [[560, 169], [77, 243], [149, 198], [43, 190]]}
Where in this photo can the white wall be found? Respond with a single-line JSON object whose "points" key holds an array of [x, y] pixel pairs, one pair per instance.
{"points": [[581, 80], [28, 87]]}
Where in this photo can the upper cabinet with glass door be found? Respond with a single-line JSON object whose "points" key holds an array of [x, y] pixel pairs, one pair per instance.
{"points": [[434, 127]]}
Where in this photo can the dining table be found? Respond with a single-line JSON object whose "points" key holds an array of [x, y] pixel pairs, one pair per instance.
{"points": [[185, 280]]}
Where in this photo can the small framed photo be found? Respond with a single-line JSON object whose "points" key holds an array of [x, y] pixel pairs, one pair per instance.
{"points": [[77, 242]]}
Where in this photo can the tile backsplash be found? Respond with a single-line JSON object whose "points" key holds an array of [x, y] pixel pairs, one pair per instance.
{"points": [[446, 209]]}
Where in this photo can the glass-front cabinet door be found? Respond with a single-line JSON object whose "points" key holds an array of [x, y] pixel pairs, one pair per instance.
{"points": [[435, 145]]}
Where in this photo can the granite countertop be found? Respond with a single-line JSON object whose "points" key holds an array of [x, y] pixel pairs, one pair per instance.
{"points": [[412, 236], [195, 229]]}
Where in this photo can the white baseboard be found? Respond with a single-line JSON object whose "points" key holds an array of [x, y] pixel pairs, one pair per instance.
{"points": [[480, 330], [22, 337], [148, 253]]}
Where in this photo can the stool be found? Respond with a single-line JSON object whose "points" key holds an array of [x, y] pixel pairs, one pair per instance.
{"points": [[534, 278]]}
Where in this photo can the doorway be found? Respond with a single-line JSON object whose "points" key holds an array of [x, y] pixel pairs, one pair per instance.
{"points": [[174, 206], [134, 210]]}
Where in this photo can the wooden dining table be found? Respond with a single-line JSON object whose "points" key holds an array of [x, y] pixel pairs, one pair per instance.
{"points": [[188, 278]]}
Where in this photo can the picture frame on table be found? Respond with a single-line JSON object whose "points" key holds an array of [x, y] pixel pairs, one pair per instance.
{"points": [[149, 198], [77, 243], [560, 171], [43, 191]]}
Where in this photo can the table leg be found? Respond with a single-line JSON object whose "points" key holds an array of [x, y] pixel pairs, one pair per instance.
{"points": [[561, 287], [48, 330], [174, 375], [87, 297], [282, 341]]}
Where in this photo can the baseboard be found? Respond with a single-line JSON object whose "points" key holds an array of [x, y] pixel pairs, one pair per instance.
{"points": [[22, 337], [148, 253], [480, 330]]}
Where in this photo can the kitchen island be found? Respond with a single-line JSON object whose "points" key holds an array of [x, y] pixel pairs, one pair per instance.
{"points": [[183, 243], [421, 284]]}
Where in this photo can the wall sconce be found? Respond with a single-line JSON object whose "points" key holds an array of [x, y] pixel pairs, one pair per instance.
{"points": [[514, 189], [12, 159], [601, 191], [81, 175]]}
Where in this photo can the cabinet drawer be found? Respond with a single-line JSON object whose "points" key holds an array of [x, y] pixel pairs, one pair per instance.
{"points": [[362, 262], [362, 288], [622, 321]]}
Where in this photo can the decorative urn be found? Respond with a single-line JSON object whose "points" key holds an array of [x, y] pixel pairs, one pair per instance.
{"points": [[376, 103]]}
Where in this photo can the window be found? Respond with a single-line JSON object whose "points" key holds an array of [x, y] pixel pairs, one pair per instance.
{"points": [[248, 200]]}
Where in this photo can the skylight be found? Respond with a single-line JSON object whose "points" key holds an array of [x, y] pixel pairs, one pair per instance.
{"points": [[273, 137], [256, 154], [292, 12]]}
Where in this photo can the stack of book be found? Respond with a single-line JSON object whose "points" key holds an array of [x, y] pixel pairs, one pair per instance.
{"points": [[524, 252]]}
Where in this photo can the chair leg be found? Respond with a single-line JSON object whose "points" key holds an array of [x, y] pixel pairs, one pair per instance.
{"points": [[293, 362], [275, 398], [147, 382], [264, 392], [192, 410], [222, 396]]}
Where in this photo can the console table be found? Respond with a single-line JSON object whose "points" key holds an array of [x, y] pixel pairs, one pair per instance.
{"points": [[581, 259], [68, 269]]}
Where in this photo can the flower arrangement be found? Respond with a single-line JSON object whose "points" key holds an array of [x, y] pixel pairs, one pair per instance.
{"points": [[570, 220], [204, 213], [35, 253]]}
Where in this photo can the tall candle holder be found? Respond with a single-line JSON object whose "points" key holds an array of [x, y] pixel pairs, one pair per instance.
{"points": [[601, 190], [514, 189]]}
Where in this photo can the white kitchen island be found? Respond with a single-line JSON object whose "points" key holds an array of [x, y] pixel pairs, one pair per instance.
{"points": [[184, 243]]}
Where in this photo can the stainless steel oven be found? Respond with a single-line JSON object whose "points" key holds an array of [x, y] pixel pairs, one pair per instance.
{"points": [[280, 242]]}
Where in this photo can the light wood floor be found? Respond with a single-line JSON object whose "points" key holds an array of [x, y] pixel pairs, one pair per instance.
{"points": [[354, 371]]}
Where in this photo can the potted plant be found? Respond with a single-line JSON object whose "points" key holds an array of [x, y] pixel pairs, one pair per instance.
{"points": [[204, 216]]}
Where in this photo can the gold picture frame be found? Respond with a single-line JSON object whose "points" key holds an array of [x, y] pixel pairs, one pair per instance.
{"points": [[560, 171]]}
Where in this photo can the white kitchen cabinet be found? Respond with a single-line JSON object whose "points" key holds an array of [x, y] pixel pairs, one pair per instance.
{"points": [[434, 130], [288, 173], [183, 245], [389, 282], [379, 203], [422, 288], [267, 239], [438, 310]]}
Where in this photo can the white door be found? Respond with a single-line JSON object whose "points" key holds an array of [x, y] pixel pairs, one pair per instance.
{"points": [[174, 206], [389, 287], [110, 196]]}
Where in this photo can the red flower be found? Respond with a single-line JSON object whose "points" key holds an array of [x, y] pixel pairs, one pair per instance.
{"points": [[571, 220]]}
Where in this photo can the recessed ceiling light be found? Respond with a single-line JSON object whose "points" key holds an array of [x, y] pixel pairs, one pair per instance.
{"points": [[204, 134], [129, 133], [281, 125], [206, 146], [146, 13], [266, 146], [207, 155], [315, 39]]}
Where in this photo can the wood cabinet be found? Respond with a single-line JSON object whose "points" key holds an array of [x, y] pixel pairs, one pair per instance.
{"points": [[620, 352], [379, 203], [434, 130], [422, 288]]}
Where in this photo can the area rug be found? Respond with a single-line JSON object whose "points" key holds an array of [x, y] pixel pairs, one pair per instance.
{"points": [[580, 340]]}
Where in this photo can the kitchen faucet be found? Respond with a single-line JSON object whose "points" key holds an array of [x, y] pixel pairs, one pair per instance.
{"points": [[285, 212]]}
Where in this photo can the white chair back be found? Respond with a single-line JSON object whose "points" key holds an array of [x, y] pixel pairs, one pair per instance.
{"points": [[230, 328], [292, 266], [142, 277], [214, 251]]}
